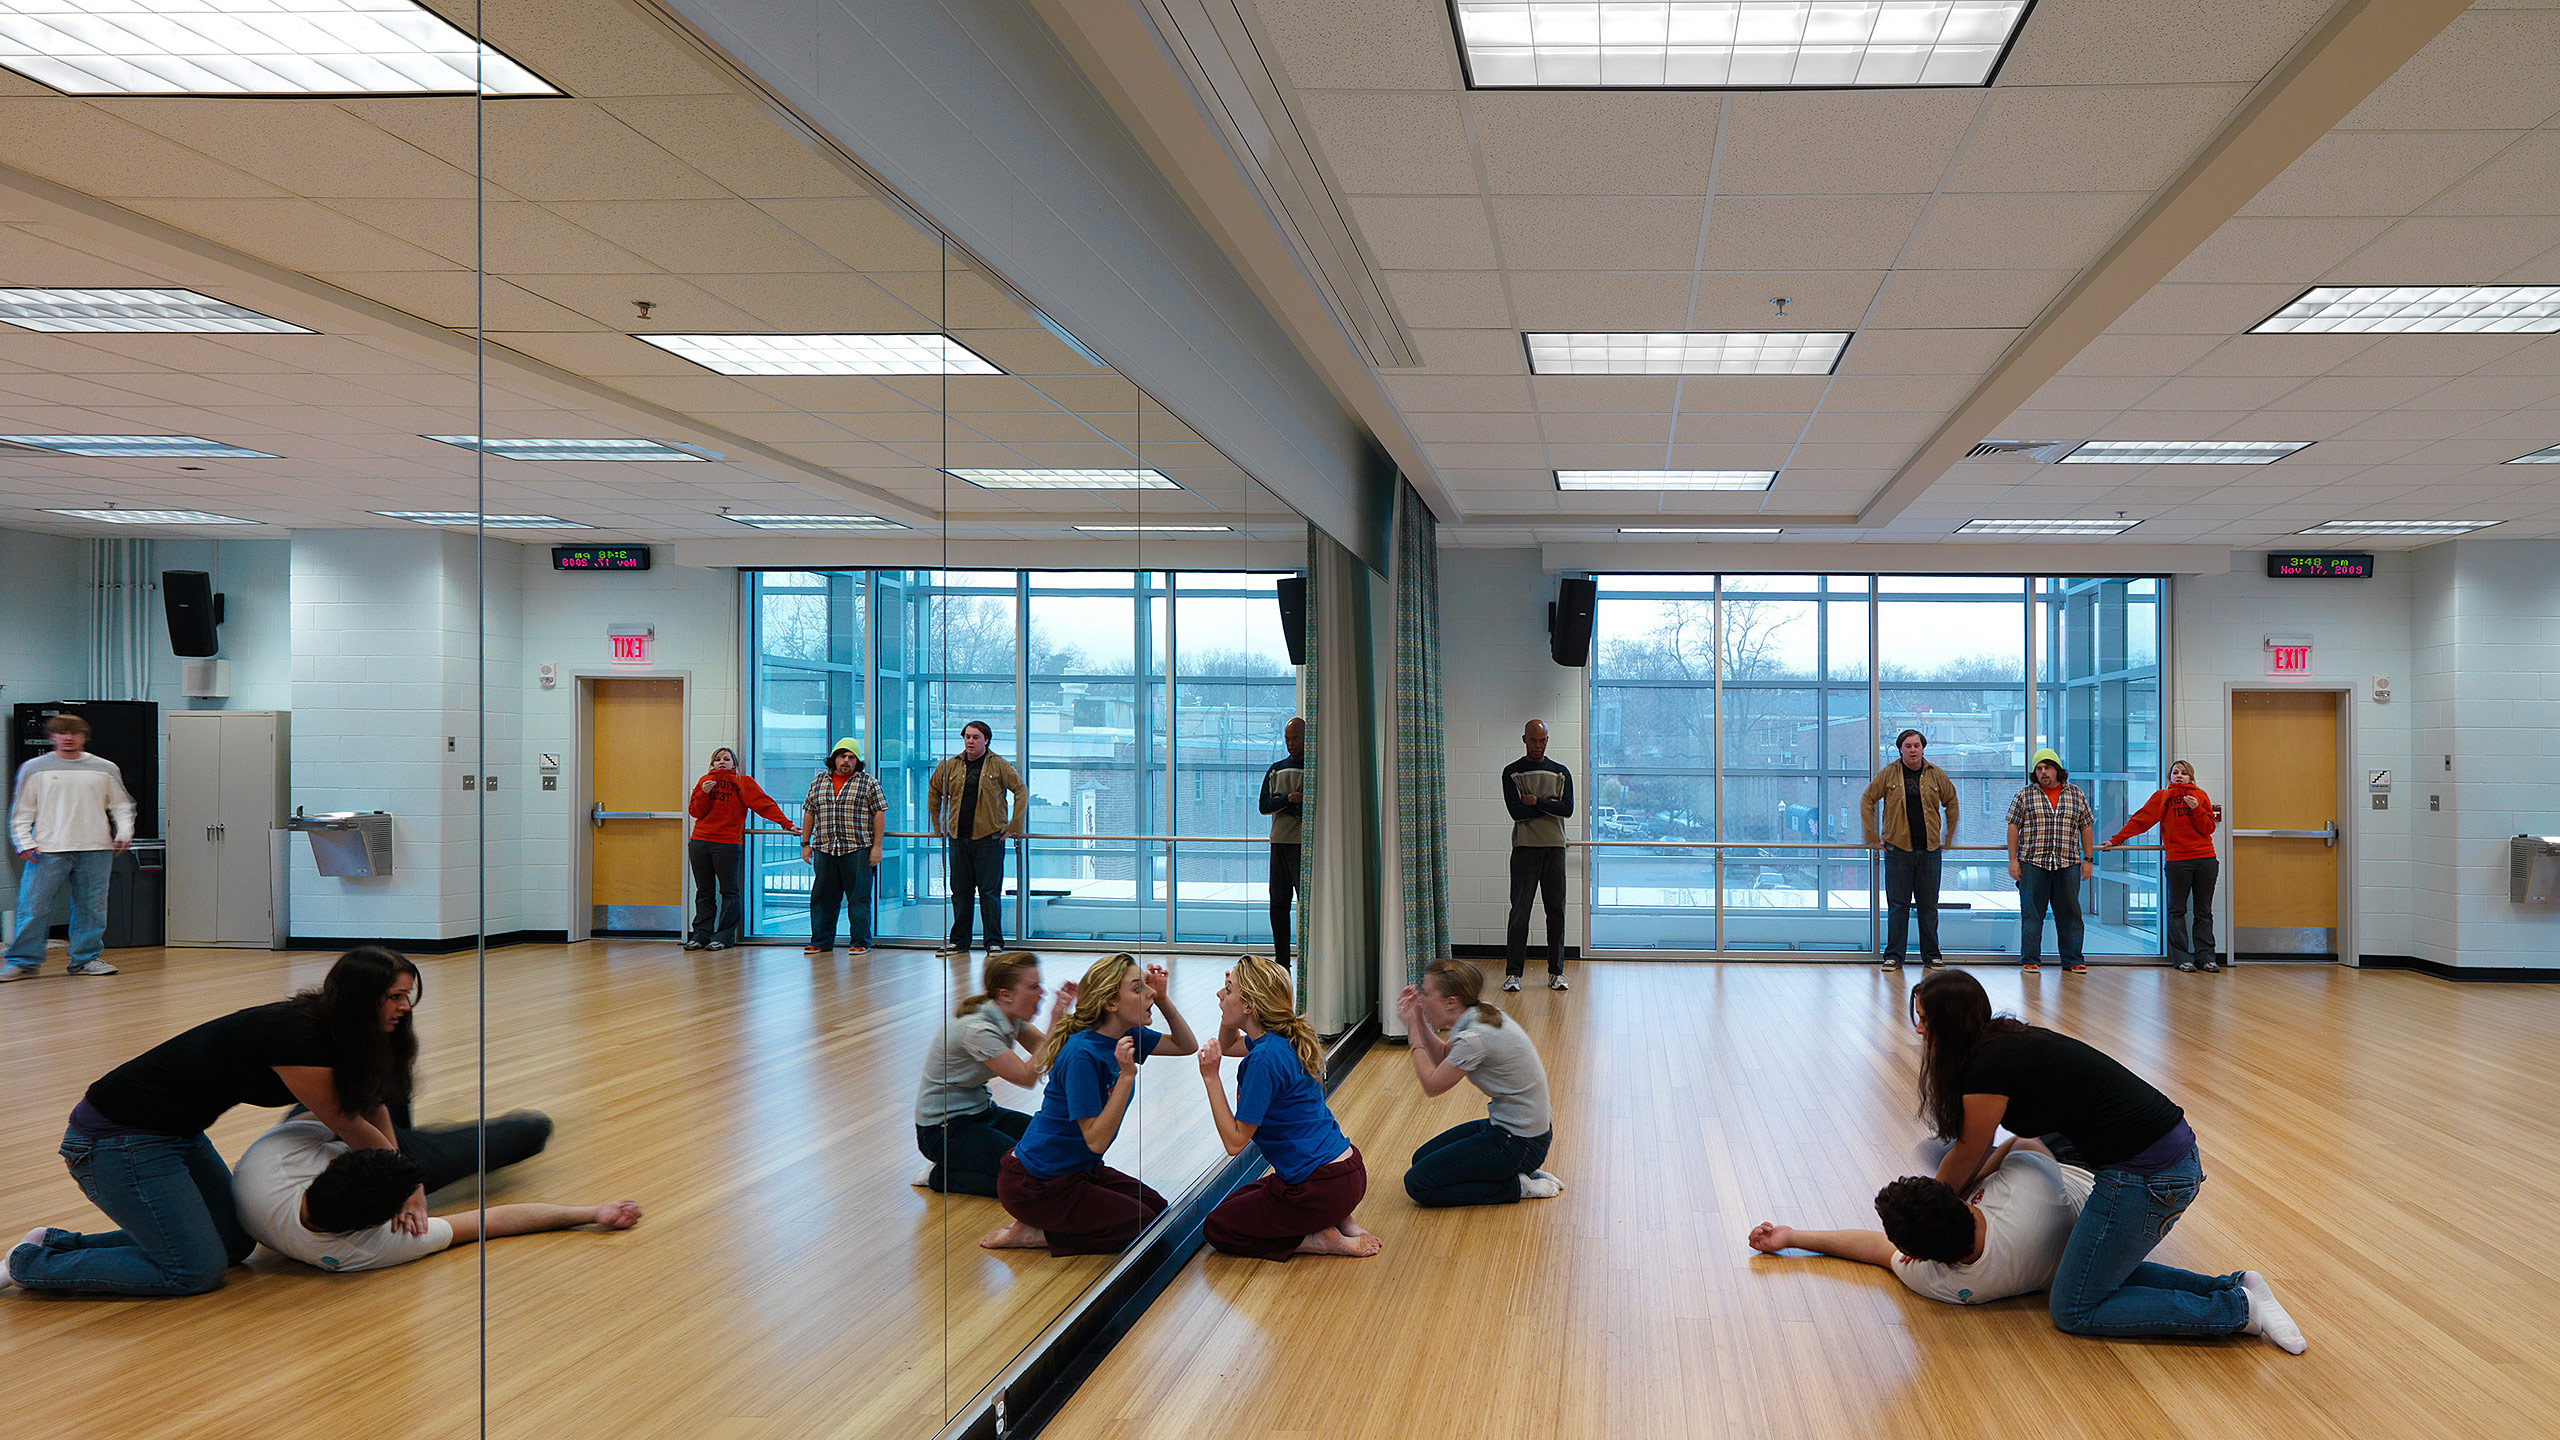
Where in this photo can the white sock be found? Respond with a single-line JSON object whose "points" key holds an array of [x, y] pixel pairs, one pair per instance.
{"points": [[1539, 1185], [924, 1177], [2267, 1317]]}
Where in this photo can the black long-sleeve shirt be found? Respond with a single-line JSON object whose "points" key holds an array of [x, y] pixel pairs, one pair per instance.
{"points": [[1538, 825]]}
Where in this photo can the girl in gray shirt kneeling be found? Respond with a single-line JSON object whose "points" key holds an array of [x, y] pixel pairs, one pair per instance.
{"points": [[960, 1128], [1493, 1161]]}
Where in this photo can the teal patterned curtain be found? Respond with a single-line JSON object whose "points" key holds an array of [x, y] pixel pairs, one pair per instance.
{"points": [[1421, 764], [1313, 765]]}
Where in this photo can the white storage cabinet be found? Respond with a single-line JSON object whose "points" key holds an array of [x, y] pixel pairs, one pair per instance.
{"points": [[225, 774]]}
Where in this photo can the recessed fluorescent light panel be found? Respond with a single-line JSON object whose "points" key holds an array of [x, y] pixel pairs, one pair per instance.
{"points": [[141, 446], [1153, 529], [2046, 527], [103, 311], [1664, 479], [571, 449], [1067, 479], [1722, 45], [816, 522], [1693, 352], [826, 354], [491, 522], [1698, 530], [251, 47], [2539, 457], [2182, 452], [155, 517], [2418, 310], [2399, 527]]}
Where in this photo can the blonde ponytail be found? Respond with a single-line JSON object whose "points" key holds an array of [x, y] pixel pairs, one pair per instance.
{"points": [[1264, 987]]}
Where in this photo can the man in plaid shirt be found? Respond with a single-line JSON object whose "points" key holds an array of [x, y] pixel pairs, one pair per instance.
{"points": [[2051, 836], [840, 836]]}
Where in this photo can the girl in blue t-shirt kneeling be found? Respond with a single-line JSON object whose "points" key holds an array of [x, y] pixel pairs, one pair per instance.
{"points": [[1303, 1207], [1053, 1182]]}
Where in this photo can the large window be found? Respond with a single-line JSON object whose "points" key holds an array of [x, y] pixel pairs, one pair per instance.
{"points": [[1735, 720], [1140, 707]]}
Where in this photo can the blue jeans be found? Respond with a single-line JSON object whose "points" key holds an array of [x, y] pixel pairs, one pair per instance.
{"points": [[2037, 888], [1911, 879], [2104, 1286], [40, 885], [1478, 1163], [172, 1195]]}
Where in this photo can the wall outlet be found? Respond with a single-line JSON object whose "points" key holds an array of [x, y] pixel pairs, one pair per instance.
{"points": [[490, 784], [2381, 802], [469, 780], [550, 782], [2435, 802]]}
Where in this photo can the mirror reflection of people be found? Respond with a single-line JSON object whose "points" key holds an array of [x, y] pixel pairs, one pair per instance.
{"points": [[1303, 1207], [1919, 824], [977, 802], [137, 1145], [960, 1129], [2186, 818], [1495, 1160], [69, 817], [1053, 1182], [1284, 795], [842, 819], [2051, 835], [722, 799], [2004, 1238], [303, 1194], [1539, 794]]}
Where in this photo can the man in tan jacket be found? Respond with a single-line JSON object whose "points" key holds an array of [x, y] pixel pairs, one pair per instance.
{"points": [[967, 801], [1914, 841]]}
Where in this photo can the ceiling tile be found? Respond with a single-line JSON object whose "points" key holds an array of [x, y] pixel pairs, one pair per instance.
{"points": [[296, 234], [307, 148], [1556, 233], [2275, 249], [2488, 70], [740, 142], [2203, 309], [2489, 392], [74, 143], [1475, 392], [2139, 354], [837, 302], [708, 237], [1809, 232], [2277, 354], [547, 150], [1472, 352], [2353, 392], [456, 299], [864, 234], [1600, 300], [2445, 355], [1960, 299], [1816, 299], [1842, 142], [1573, 429], [1723, 428], [2218, 392], [2429, 250], [1853, 428], [2159, 42], [1393, 144], [2376, 172], [2045, 231], [1362, 44], [677, 308], [1911, 392], [1564, 142], [1757, 394], [1476, 427], [1434, 233], [2099, 138], [1925, 352], [1606, 393]]}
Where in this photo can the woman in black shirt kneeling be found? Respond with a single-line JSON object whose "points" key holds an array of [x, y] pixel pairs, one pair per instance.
{"points": [[1981, 1072], [136, 1141]]}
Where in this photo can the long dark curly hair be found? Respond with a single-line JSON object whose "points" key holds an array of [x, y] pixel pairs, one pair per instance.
{"points": [[1955, 1014], [372, 1066]]}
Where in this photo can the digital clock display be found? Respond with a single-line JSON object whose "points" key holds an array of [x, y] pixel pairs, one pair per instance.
{"points": [[599, 557], [2319, 567]]}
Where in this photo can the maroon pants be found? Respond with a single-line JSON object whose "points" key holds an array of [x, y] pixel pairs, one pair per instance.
{"points": [[1268, 1218], [1084, 1212]]}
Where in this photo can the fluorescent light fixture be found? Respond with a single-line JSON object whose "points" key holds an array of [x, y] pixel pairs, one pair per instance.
{"points": [[1067, 479], [2539, 457], [816, 522], [2182, 452], [1698, 530], [1153, 529], [251, 47], [1723, 45], [1686, 352], [113, 446], [2418, 310], [491, 522], [2046, 527], [574, 449], [155, 517], [2399, 527], [1665, 479], [100, 311], [826, 354]]}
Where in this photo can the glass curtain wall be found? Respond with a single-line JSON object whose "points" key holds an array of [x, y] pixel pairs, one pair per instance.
{"points": [[1736, 720], [1139, 705]]}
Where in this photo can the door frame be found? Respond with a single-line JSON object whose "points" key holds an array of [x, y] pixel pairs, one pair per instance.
{"points": [[582, 800], [2350, 823]]}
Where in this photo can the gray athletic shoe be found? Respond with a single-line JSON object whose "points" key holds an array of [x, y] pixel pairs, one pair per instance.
{"points": [[20, 970], [93, 967]]}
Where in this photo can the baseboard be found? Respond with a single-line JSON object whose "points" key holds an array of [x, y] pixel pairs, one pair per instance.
{"points": [[449, 946], [1537, 953], [2492, 974]]}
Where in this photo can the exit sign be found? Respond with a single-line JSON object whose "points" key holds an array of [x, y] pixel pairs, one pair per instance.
{"points": [[2288, 655], [631, 649]]}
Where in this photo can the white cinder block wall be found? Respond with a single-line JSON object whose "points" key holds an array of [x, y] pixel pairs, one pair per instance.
{"points": [[1495, 676]]}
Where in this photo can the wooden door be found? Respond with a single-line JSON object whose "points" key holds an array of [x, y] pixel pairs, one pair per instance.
{"points": [[2284, 778], [192, 880], [635, 770], [243, 859]]}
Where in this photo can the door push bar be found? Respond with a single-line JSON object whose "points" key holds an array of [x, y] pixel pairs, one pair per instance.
{"points": [[602, 815], [2326, 834]]}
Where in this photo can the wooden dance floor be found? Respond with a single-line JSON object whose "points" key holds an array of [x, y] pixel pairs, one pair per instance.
{"points": [[786, 1281], [2385, 1146]]}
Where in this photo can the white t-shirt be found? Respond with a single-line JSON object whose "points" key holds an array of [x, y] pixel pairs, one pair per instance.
{"points": [[267, 1186], [2028, 1206]]}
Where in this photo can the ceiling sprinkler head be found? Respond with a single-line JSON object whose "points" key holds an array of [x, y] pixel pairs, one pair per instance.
{"points": [[1781, 302], [644, 307]]}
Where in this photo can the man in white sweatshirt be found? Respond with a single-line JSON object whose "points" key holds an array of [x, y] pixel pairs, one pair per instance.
{"points": [[70, 817]]}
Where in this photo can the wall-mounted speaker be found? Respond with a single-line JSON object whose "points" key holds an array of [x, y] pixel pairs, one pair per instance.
{"points": [[1293, 616], [195, 612], [1569, 620]]}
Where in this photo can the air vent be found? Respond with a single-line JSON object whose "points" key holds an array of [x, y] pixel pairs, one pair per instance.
{"points": [[2040, 452]]}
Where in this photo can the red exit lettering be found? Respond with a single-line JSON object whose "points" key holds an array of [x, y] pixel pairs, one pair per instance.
{"points": [[2290, 659], [631, 648]]}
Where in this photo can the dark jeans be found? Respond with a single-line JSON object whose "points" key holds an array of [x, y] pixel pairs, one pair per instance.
{"points": [[977, 871], [1537, 871], [1911, 878], [966, 1149], [840, 880], [1478, 1163], [1284, 899], [2038, 888], [2191, 882], [451, 1153], [171, 1194], [2104, 1286], [717, 904]]}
